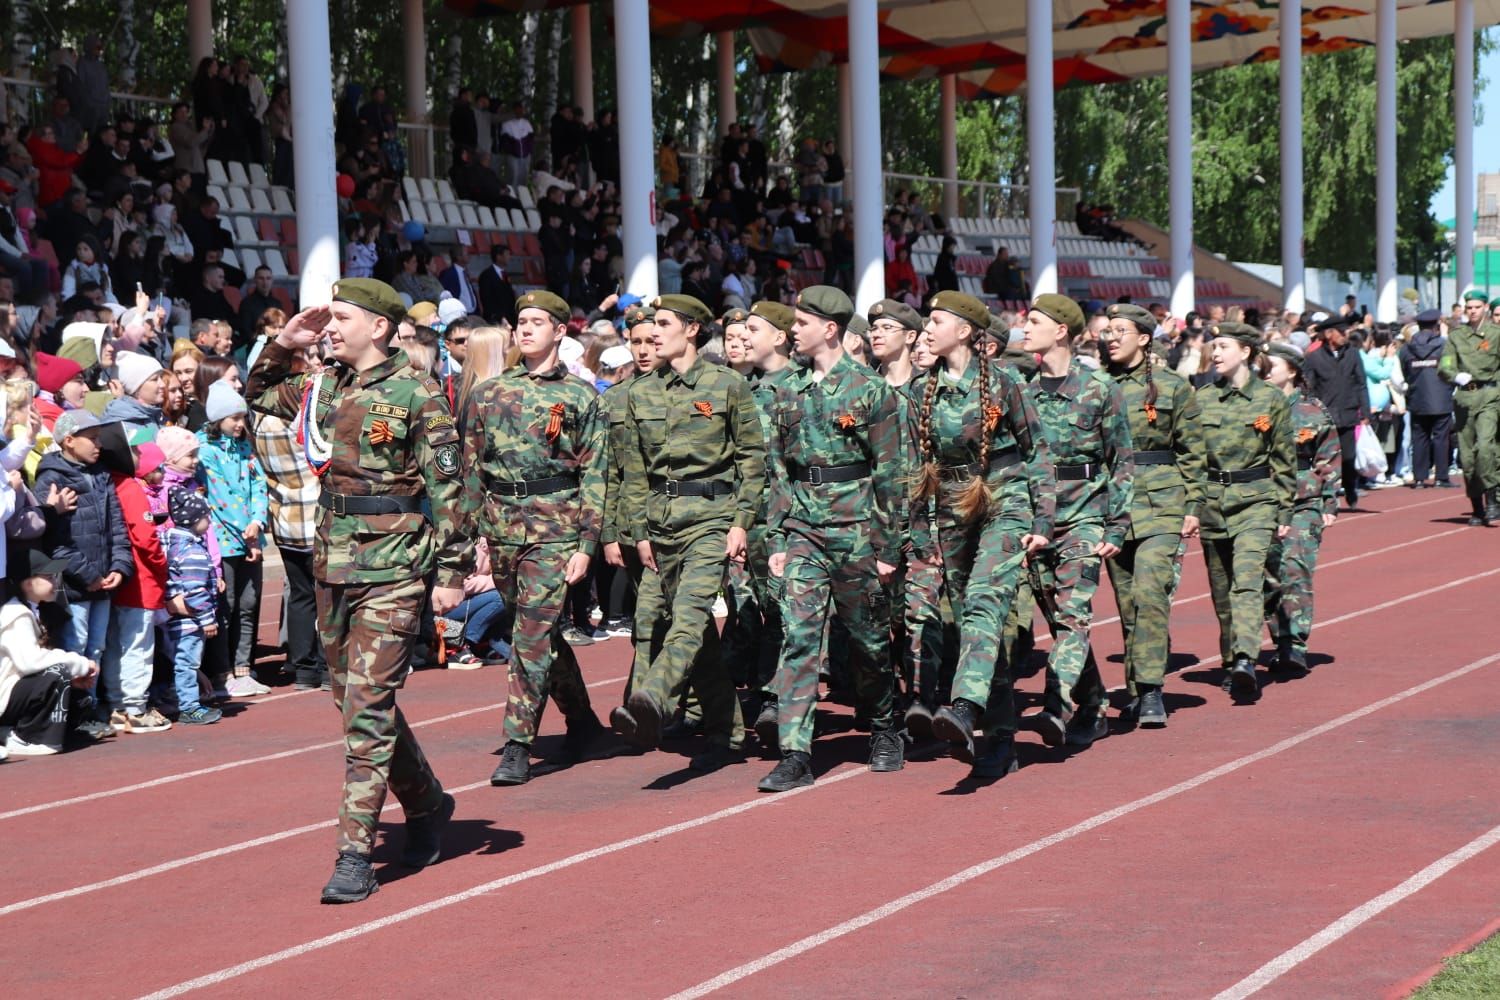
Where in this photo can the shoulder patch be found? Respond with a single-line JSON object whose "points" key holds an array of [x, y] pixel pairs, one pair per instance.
{"points": [[439, 421], [445, 459], [387, 410]]}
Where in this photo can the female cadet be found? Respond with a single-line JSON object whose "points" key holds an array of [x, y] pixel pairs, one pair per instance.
{"points": [[983, 466], [1169, 464], [1252, 479], [1289, 568]]}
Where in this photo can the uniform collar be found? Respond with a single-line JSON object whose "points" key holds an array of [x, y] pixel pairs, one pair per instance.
{"points": [[556, 373], [1227, 388], [1072, 382], [1136, 374], [393, 363], [842, 371], [963, 383], [690, 377]]}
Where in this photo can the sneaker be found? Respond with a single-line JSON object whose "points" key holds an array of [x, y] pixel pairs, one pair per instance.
{"points": [[515, 765], [245, 687], [200, 716], [599, 634], [118, 720], [353, 880], [464, 659], [596, 614], [575, 637], [17, 747], [147, 722], [619, 627], [93, 730]]}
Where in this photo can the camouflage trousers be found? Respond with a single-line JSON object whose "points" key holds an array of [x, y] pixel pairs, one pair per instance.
{"points": [[1065, 576], [1476, 424], [1289, 580], [685, 637], [982, 566], [1144, 576], [833, 574], [766, 593], [930, 634], [530, 578], [368, 634], [740, 643], [1236, 581]]}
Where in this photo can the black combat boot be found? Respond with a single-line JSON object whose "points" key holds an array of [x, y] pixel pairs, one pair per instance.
{"points": [[515, 765], [682, 728], [716, 756], [919, 722], [581, 735], [648, 718], [767, 729], [1051, 726], [1150, 710], [1296, 661], [1242, 680], [955, 724], [1086, 727], [353, 879], [794, 771], [1492, 507], [424, 835], [998, 759], [887, 751]]}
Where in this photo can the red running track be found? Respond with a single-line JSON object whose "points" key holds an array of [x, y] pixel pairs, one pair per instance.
{"points": [[1332, 840]]}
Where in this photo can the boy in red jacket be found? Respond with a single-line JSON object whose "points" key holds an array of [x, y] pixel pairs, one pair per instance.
{"points": [[130, 652]]}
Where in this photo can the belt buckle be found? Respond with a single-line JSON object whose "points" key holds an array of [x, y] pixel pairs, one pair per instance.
{"points": [[521, 489], [815, 475], [673, 488], [337, 504]]}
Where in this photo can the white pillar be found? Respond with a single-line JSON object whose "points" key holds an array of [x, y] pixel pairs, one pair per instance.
{"points": [[1180, 153], [583, 61], [1042, 168], [1385, 161], [1463, 144], [728, 112], [414, 42], [313, 159], [846, 118], [869, 176], [200, 29], [949, 128], [637, 153], [1293, 265]]}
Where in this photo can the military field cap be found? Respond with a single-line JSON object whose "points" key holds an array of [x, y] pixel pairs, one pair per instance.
{"points": [[552, 305], [370, 295], [827, 302], [1060, 309], [1236, 331], [1495, 302], [1476, 295], [1140, 317], [996, 332], [1286, 352], [896, 312], [734, 316], [1429, 317], [639, 314], [778, 314], [965, 307], [685, 306], [858, 325], [421, 313]]}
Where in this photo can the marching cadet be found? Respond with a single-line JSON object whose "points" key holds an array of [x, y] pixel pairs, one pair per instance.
{"points": [[1169, 466], [984, 471], [736, 350], [833, 531], [1082, 416], [768, 333], [743, 619], [534, 462], [1290, 565], [381, 439], [1471, 363], [1252, 480], [700, 445]]}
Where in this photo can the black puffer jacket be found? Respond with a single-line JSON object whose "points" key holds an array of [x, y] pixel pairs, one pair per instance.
{"points": [[1427, 394], [92, 540]]}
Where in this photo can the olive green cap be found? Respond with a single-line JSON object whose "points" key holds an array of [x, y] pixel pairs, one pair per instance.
{"points": [[858, 325], [896, 312], [1060, 309], [1137, 315], [1495, 302], [1242, 332], [639, 315], [372, 296], [734, 316], [827, 302], [685, 306], [778, 314], [1286, 352], [1476, 295], [553, 305], [421, 313], [965, 307]]}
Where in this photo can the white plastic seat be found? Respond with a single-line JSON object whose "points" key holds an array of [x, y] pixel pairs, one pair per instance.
{"points": [[410, 189], [533, 220], [469, 216], [518, 220], [418, 211], [452, 214], [244, 231], [429, 189], [282, 202], [218, 194], [237, 174], [249, 261], [405, 212], [486, 217], [258, 176], [435, 212], [445, 190], [259, 202], [523, 195], [239, 201], [217, 173], [230, 257], [276, 263]]}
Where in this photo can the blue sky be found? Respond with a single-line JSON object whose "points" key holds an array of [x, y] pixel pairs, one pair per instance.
{"points": [[1486, 134]]}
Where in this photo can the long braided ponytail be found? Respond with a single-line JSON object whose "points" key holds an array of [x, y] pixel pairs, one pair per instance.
{"points": [[928, 478], [973, 501], [1150, 388]]}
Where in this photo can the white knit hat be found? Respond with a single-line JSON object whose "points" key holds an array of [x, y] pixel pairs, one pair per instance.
{"points": [[135, 369]]}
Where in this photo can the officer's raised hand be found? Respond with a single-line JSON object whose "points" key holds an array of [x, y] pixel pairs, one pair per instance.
{"points": [[306, 328]]}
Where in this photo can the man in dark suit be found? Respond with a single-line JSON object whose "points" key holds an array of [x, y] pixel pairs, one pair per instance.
{"points": [[457, 281], [1335, 377], [497, 299]]}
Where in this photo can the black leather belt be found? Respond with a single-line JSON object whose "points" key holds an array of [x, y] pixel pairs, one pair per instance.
{"points": [[1476, 384], [533, 487], [1076, 473], [341, 504], [998, 459], [1304, 464], [708, 488], [817, 475], [1226, 477], [1156, 458]]}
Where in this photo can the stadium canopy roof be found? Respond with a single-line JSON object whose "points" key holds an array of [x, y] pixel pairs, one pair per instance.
{"points": [[983, 42]]}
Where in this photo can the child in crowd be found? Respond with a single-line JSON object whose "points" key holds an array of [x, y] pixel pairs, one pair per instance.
{"points": [[35, 681], [238, 503], [130, 652], [360, 253], [192, 602], [475, 630]]}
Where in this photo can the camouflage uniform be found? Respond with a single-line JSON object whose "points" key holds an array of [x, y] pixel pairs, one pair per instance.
{"points": [[1290, 565], [392, 440], [768, 590], [1088, 440], [1476, 406], [1247, 435], [534, 487], [693, 429], [1169, 486], [832, 533], [619, 526]]}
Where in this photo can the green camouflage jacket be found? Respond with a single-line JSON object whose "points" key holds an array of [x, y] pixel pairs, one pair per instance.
{"points": [[1164, 494], [1474, 351], [622, 459], [700, 425], [1246, 429], [847, 417], [390, 433], [525, 426], [763, 387], [1084, 423], [1319, 458]]}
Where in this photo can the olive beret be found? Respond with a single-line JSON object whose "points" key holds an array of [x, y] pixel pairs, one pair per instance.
{"points": [[965, 307], [1060, 309], [421, 313], [1286, 352], [826, 301], [734, 316], [685, 306], [1476, 295], [1495, 302], [858, 325], [1236, 331], [1137, 315], [639, 315], [896, 312], [370, 295], [778, 314], [553, 305]]}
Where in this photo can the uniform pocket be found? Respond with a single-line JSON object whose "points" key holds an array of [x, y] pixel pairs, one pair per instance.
{"points": [[382, 443]]}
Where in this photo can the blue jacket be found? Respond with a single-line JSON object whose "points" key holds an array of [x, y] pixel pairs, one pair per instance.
{"points": [[92, 540], [235, 488], [191, 576], [1427, 394]]}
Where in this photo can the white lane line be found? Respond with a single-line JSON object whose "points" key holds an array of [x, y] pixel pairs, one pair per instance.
{"points": [[958, 879], [1292, 957], [243, 762]]}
